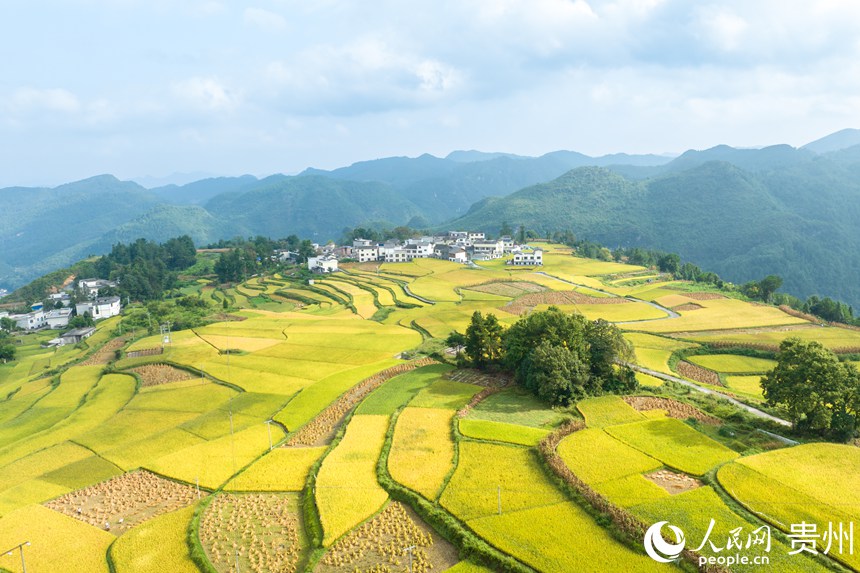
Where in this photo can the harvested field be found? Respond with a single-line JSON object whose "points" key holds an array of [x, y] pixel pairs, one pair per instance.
{"points": [[702, 295], [672, 482], [673, 408], [478, 378], [510, 289], [687, 307], [145, 352], [158, 374], [697, 373], [254, 532], [320, 430], [527, 302], [379, 545], [120, 503], [105, 354]]}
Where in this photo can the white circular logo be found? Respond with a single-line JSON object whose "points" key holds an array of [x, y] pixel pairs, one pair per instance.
{"points": [[658, 548]]}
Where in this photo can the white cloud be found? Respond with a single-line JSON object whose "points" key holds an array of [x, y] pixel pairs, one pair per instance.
{"points": [[28, 99], [207, 93], [264, 19]]}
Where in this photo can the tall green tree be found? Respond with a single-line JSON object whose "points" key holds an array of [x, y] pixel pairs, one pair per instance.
{"points": [[820, 394], [483, 340], [769, 285], [557, 374]]}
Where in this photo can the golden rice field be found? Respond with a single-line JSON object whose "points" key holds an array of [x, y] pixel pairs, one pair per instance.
{"points": [[607, 411], [66, 427], [347, 491], [149, 546], [730, 363], [422, 451], [674, 443]]}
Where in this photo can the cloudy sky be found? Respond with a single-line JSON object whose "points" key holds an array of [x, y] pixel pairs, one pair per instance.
{"points": [[153, 87]]}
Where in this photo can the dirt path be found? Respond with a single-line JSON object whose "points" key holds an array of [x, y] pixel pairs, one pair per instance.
{"points": [[754, 411]]}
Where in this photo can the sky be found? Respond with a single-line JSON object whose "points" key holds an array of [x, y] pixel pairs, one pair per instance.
{"points": [[153, 87]]}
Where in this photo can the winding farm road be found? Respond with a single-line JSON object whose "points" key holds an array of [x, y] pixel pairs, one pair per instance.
{"points": [[668, 377]]}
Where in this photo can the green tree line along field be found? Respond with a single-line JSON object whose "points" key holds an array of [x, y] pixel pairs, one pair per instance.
{"points": [[292, 427]]}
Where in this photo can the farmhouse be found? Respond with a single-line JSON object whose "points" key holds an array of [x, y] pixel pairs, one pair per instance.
{"points": [[99, 308], [76, 335], [483, 250], [62, 297], [30, 321], [366, 253], [533, 258], [90, 287], [322, 265], [58, 318]]}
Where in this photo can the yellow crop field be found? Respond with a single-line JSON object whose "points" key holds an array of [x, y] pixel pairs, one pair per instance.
{"points": [[626, 312], [654, 351], [825, 472], [607, 411], [143, 451], [149, 546], [347, 491], [283, 469], [596, 457], [215, 461], [541, 537], [630, 490], [132, 425], [246, 343], [831, 337], [747, 385], [730, 363], [422, 451], [57, 542], [29, 492], [721, 314], [484, 470], [201, 398], [502, 432], [41, 462], [674, 443], [693, 511]]}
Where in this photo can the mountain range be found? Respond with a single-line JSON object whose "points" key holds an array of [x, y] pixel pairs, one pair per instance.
{"points": [[742, 213]]}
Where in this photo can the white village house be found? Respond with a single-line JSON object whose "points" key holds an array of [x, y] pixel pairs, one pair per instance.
{"points": [[324, 264], [58, 318], [523, 258], [99, 308], [90, 287]]}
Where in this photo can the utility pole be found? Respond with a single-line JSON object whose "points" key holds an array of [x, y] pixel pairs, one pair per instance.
{"points": [[409, 550], [269, 427], [20, 547]]}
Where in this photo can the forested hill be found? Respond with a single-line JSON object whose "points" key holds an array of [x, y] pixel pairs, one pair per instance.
{"points": [[787, 212]]}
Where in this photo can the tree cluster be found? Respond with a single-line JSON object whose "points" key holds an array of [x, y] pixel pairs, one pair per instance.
{"points": [[145, 269], [7, 350], [820, 394], [560, 357]]}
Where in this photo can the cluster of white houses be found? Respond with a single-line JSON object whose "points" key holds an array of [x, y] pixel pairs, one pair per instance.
{"points": [[456, 246], [58, 316]]}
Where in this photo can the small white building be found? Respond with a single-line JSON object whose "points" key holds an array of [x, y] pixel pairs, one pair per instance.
{"points": [[475, 236], [369, 253], [524, 258], [58, 318], [75, 336], [100, 308], [454, 235], [90, 287], [457, 255], [323, 265], [61, 297], [362, 243], [485, 250], [30, 321]]}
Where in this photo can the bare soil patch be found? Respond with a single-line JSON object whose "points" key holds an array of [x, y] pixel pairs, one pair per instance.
{"points": [[106, 354], [688, 306], [120, 503], [673, 408], [379, 545], [527, 302], [145, 352], [672, 482], [697, 373], [260, 531], [157, 374], [478, 378], [702, 295], [512, 289]]}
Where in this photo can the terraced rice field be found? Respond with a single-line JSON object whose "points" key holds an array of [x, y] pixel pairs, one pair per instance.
{"points": [[674, 443], [422, 451], [731, 364]]}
